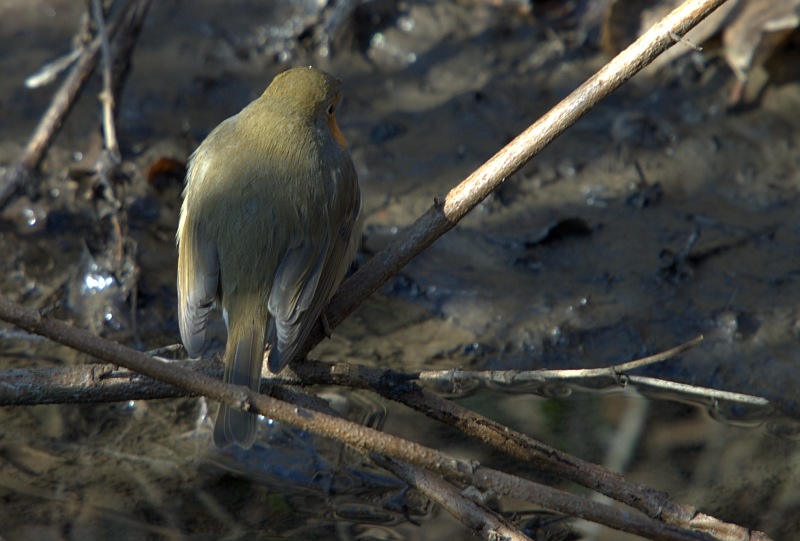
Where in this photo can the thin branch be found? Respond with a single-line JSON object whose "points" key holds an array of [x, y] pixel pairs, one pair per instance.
{"points": [[617, 373], [360, 437], [95, 383], [50, 71], [400, 388], [115, 69], [483, 522], [444, 215], [21, 172], [510, 377], [106, 95], [659, 357], [699, 392], [88, 383]]}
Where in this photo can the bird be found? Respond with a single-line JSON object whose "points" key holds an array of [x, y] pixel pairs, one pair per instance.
{"points": [[269, 225]]}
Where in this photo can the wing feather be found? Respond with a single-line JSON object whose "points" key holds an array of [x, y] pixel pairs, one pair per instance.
{"points": [[307, 278], [198, 283]]}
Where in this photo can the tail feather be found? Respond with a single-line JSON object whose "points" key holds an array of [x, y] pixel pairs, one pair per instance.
{"points": [[242, 367]]}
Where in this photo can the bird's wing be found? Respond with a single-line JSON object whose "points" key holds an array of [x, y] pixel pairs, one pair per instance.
{"points": [[304, 284], [292, 298], [198, 281]]}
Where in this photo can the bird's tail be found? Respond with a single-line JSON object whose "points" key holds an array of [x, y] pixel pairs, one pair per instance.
{"points": [[243, 359]]}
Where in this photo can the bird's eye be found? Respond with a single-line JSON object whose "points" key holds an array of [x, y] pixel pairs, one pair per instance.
{"points": [[331, 108]]}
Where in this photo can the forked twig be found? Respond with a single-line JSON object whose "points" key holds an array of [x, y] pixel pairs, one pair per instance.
{"points": [[22, 171], [362, 438], [511, 377], [106, 95]]}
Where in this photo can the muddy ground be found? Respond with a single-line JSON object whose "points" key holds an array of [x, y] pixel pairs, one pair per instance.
{"points": [[660, 216]]}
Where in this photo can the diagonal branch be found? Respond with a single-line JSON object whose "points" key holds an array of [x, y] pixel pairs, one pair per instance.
{"points": [[445, 214], [483, 522]]}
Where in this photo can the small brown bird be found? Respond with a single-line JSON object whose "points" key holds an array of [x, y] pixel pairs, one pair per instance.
{"points": [[269, 226]]}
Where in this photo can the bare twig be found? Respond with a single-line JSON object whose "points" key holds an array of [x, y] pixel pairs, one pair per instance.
{"points": [[360, 437], [21, 172], [79, 384], [699, 392], [485, 523], [50, 71], [617, 373], [510, 377], [96, 384], [116, 63], [445, 214], [89, 383], [106, 95], [659, 357], [399, 388]]}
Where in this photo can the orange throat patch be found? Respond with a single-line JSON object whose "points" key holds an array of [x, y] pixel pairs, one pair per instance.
{"points": [[336, 132]]}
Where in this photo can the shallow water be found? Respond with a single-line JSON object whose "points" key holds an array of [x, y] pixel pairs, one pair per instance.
{"points": [[658, 217]]}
